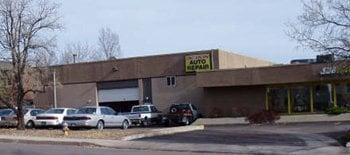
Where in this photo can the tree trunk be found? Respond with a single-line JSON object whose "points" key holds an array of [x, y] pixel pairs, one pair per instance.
{"points": [[20, 97]]}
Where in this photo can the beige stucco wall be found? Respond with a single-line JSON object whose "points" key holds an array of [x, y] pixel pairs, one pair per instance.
{"points": [[74, 95], [185, 91], [229, 60]]}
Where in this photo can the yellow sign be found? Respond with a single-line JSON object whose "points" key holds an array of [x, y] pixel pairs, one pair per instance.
{"points": [[196, 63]]}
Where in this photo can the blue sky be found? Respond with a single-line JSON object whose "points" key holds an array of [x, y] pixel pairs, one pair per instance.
{"points": [[146, 27]]}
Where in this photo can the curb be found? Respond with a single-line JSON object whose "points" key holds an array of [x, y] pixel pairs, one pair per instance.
{"points": [[43, 140], [48, 142], [165, 131]]}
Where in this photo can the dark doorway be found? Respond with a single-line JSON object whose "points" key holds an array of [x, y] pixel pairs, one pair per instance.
{"points": [[120, 106]]}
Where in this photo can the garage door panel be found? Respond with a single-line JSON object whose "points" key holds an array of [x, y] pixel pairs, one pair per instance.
{"points": [[118, 95]]}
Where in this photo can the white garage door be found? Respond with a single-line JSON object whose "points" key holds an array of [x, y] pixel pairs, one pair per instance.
{"points": [[118, 95]]}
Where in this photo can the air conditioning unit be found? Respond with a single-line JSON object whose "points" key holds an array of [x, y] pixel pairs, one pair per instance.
{"points": [[327, 58]]}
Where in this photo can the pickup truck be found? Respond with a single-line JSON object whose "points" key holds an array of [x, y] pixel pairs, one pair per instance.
{"points": [[144, 115]]}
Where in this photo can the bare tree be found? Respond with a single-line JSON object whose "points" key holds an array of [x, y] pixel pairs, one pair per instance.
{"points": [[25, 26], [78, 52], [108, 42], [324, 26]]}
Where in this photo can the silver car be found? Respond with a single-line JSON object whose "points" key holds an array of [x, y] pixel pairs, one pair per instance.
{"points": [[97, 116]]}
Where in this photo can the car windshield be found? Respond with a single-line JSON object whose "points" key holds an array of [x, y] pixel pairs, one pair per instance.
{"points": [[140, 109], [87, 111], [55, 111], [5, 112]]}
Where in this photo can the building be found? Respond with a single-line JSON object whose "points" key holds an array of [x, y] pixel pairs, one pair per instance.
{"points": [[4, 65], [220, 84]]}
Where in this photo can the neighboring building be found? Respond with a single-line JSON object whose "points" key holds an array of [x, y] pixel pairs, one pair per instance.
{"points": [[220, 83], [5, 65]]}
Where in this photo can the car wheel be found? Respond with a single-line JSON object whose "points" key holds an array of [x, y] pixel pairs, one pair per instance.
{"points": [[100, 125], [30, 124], [125, 125], [186, 120], [145, 122]]}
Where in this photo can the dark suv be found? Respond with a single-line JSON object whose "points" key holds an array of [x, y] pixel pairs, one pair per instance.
{"points": [[182, 114]]}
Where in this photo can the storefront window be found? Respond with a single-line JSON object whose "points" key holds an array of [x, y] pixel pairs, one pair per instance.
{"points": [[300, 97], [343, 95], [322, 97], [278, 99]]}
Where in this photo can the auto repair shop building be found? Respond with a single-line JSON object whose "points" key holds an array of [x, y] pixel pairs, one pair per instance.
{"points": [[219, 83]]}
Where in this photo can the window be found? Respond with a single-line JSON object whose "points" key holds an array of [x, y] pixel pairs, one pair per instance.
{"points": [[194, 107], [322, 96], [300, 99], [278, 99], [6, 112], [140, 109], [71, 112], [107, 111], [55, 111], [87, 111], [171, 81], [104, 111], [111, 111], [154, 109], [343, 95]]}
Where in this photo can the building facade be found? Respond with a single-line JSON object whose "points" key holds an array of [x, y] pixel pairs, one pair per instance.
{"points": [[161, 80], [219, 83]]}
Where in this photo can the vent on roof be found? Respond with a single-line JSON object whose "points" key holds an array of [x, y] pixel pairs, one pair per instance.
{"points": [[327, 58], [303, 61]]}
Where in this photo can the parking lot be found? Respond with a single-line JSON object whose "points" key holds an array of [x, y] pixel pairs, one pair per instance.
{"points": [[302, 134]]}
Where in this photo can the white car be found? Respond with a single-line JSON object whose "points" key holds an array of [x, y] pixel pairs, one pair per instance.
{"points": [[97, 117], [53, 117], [30, 115], [9, 117]]}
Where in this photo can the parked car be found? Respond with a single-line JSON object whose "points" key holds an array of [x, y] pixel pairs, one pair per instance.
{"points": [[6, 112], [182, 114], [97, 116], [9, 117], [53, 117], [30, 116], [145, 115]]}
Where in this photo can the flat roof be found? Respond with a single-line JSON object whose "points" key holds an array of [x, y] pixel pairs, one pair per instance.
{"points": [[270, 75]]}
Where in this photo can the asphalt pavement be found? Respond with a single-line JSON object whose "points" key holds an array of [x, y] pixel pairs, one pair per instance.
{"points": [[36, 149], [321, 134]]}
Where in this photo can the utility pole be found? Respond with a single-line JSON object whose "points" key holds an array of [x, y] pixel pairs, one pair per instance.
{"points": [[54, 90], [74, 56], [96, 94]]}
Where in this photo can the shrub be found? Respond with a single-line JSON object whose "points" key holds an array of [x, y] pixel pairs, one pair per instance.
{"points": [[265, 116], [345, 139], [336, 110]]}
